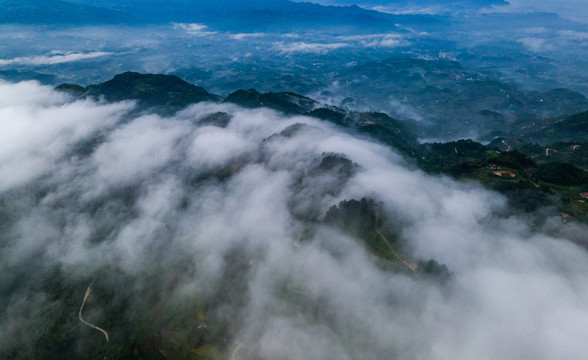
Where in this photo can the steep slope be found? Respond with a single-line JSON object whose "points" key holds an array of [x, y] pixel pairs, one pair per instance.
{"points": [[287, 102], [571, 128]]}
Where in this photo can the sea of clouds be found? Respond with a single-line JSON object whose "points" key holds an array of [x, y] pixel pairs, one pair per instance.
{"points": [[209, 206]]}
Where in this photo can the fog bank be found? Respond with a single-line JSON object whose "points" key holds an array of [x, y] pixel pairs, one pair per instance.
{"points": [[209, 227]]}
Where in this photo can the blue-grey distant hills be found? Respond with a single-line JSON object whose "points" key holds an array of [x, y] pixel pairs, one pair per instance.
{"points": [[421, 3], [59, 12], [452, 8], [223, 14]]}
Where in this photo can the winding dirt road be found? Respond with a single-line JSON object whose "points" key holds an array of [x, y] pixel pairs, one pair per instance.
{"points": [[88, 291]]}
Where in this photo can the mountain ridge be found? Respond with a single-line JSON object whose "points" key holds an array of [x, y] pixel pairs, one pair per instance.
{"points": [[276, 14], [168, 94], [57, 11]]}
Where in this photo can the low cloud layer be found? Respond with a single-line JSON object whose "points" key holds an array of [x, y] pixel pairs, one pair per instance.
{"points": [[53, 59], [241, 36], [194, 29], [216, 215], [39, 125], [303, 47], [410, 10], [377, 40], [535, 44]]}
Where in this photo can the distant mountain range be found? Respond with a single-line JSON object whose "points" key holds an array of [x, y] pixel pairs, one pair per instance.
{"points": [[527, 176], [223, 14], [416, 4], [167, 94], [58, 12]]}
